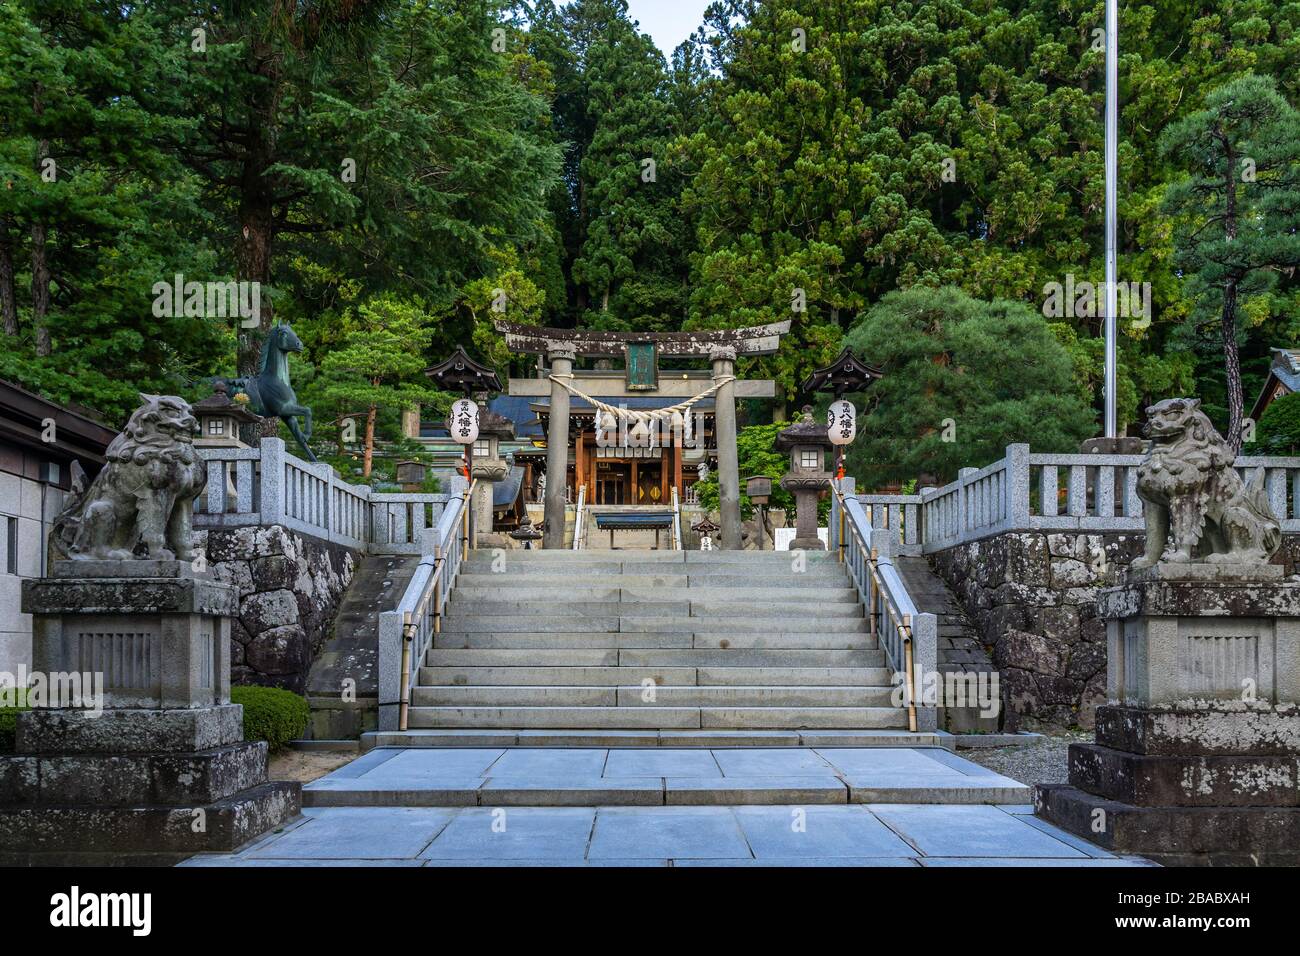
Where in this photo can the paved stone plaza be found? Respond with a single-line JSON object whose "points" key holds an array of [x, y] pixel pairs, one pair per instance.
{"points": [[752, 807]]}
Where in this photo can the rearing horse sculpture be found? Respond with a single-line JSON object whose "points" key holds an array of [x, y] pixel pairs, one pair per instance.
{"points": [[269, 392]]}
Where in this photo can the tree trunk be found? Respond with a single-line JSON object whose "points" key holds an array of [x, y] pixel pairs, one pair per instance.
{"points": [[1232, 367], [1231, 359], [255, 240], [370, 442], [8, 296], [41, 269]]}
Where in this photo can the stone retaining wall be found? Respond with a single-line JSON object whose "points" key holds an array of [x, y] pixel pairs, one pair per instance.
{"points": [[1032, 595], [290, 585]]}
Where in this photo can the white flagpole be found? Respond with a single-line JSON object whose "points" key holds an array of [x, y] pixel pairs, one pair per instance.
{"points": [[1112, 212]]}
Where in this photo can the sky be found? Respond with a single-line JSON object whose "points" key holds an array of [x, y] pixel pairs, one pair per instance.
{"points": [[668, 22]]}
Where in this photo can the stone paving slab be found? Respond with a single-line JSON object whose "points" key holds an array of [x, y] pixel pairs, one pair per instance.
{"points": [[846, 835], [658, 776], [974, 831]]}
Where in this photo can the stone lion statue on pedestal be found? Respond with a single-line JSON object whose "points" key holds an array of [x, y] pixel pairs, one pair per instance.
{"points": [[1194, 496], [140, 505]]}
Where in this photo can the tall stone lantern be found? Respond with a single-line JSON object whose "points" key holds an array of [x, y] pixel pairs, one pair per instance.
{"points": [[460, 373], [220, 418], [488, 467], [807, 443]]}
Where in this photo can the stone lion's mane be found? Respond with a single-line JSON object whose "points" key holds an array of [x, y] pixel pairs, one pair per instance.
{"points": [[1196, 445], [144, 441]]}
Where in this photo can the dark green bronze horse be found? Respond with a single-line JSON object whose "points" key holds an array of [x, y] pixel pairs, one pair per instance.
{"points": [[269, 392]]}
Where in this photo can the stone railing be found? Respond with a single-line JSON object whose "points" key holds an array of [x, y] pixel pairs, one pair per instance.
{"points": [[1048, 492], [407, 632], [268, 486], [909, 638]]}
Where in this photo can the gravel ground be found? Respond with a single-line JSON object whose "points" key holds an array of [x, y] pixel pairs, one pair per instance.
{"points": [[305, 766], [1042, 762]]}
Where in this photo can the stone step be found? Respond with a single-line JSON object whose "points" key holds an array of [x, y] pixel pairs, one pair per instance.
{"points": [[650, 657], [651, 639], [757, 696], [561, 586], [540, 556], [653, 774], [658, 717], [640, 623], [469, 591], [463, 605], [663, 676], [723, 676], [644, 738], [510, 695], [749, 657], [604, 676]]}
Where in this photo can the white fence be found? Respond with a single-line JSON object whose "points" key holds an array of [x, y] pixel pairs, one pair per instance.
{"points": [[1048, 492], [267, 485]]}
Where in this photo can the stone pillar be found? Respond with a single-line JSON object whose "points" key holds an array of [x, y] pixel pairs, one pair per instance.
{"points": [[160, 749], [1197, 748], [557, 450], [724, 431]]}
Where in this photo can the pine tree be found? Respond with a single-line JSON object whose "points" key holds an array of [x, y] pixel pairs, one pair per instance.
{"points": [[380, 364], [963, 379], [1237, 212]]}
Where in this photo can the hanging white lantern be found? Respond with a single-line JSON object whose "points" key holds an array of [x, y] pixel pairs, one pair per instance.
{"points": [[841, 423], [639, 435], [462, 423]]}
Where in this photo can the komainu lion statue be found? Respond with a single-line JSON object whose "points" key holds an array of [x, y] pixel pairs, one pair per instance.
{"points": [[1194, 496], [140, 503]]}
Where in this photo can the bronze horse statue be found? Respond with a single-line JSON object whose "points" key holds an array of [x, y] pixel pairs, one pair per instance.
{"points": [[269, 392]]}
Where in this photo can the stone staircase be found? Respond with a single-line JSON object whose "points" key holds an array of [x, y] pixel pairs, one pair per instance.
{"points": [[652, 644], [351, 652], [959, 644]]}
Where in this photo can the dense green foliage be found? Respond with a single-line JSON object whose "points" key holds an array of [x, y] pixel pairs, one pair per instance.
{"points": [[272, 714], [757, 455], [1278, 431], [963, 379], [472, 160], [9, 718]]}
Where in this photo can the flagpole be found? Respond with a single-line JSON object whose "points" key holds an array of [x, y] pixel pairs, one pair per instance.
{"points": [[1112, 212]]}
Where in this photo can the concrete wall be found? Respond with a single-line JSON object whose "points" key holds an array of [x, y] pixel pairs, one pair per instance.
{"points": [[21, 502]]}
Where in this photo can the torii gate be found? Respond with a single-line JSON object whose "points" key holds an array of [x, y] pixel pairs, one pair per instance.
{"points": [[721, 346]]}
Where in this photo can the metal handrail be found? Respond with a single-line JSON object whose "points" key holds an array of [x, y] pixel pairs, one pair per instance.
{"points": [[677, 522], [420, 619], [885, 593], [577, 518]]}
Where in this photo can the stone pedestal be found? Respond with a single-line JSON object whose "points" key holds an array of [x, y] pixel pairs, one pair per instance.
{"points": [[1197, 755], [154, 769], [806, 490]]}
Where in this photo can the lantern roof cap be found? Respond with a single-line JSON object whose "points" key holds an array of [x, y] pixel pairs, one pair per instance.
{"points": [[803, 432], [220, 403], [847, 373], [490, 423], [460, 373], [705, 527]]}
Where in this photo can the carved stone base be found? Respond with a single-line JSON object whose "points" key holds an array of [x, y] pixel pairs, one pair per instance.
{"points": [[135, 787]]}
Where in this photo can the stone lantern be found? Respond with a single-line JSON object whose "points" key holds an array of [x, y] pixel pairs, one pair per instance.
{"points": [[759, 491], [807, 443], [219, 419], [410, 475], [488, 467]]}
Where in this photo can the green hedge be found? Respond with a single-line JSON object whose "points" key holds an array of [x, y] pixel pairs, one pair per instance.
{"points": [[271, 714], [9, 720]]}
